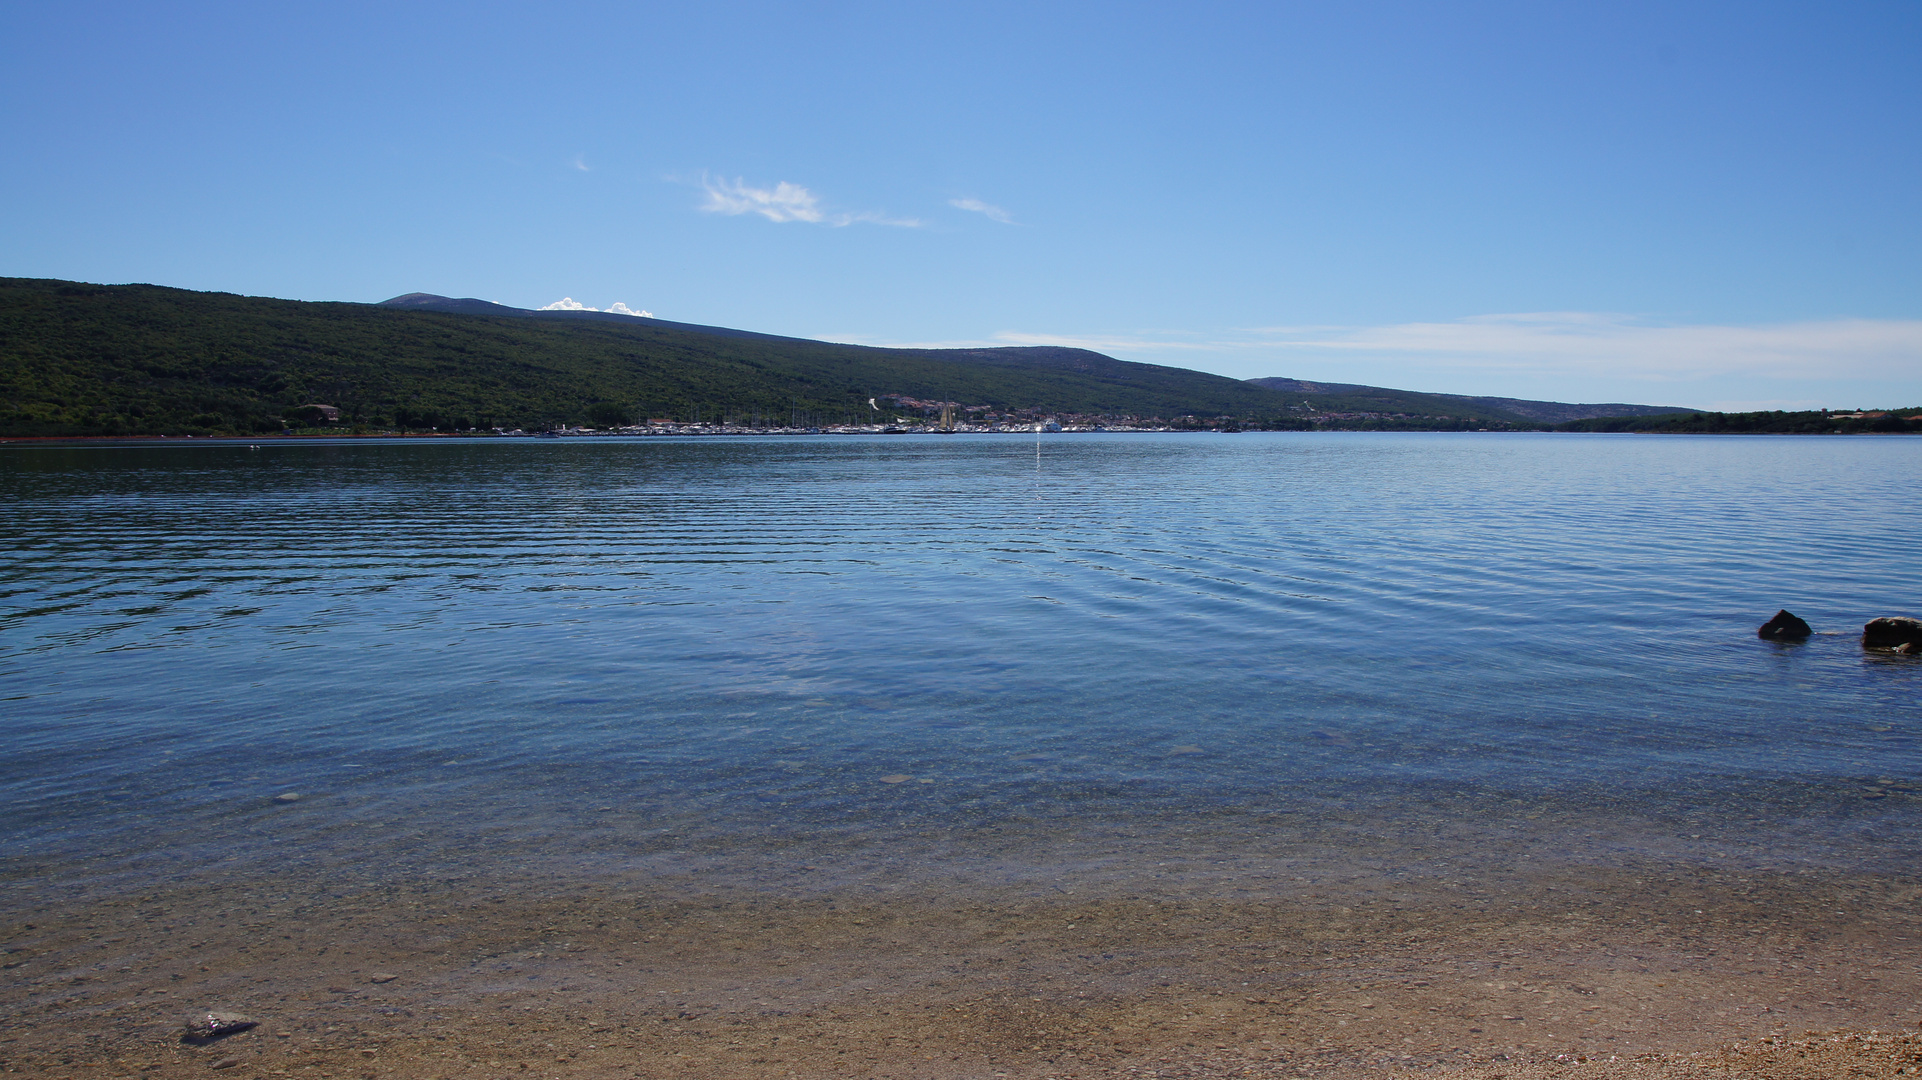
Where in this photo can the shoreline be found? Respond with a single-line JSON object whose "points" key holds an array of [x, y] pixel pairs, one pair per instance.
{"points": [[633, 977], [116, 440]]}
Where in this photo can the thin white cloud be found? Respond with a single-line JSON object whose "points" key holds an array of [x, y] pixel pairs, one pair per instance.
{"points": [[875, 217], [1565, 342], [785, 202], [580, 162], [1574, 355], [1601, 343], [568, 303], [989, 210], [782, 202]]}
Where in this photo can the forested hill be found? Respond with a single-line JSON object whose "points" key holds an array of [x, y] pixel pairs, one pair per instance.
{"points": [[82, 359]]}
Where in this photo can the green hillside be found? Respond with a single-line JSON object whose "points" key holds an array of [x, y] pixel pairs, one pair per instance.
{"points": [[80, 359]]}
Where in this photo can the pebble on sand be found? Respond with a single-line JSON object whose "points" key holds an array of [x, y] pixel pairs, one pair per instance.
{"points": [[382, 977], [289, 796], [226, 1063]]}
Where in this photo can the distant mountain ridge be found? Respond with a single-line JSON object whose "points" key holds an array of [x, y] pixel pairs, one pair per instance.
{"points": [[419, 301], [81, 359], [1359, 396], [1547, 412]]}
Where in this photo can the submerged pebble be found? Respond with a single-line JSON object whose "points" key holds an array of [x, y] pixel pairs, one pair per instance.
{"points": [[287, 797]]}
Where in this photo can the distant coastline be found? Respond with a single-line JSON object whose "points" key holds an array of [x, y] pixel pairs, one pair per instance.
{"points": [[1751, 424], [102, 361], [89, 361]]}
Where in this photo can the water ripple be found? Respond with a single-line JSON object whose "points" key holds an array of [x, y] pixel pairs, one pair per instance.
{"points": [[1142, 626]]}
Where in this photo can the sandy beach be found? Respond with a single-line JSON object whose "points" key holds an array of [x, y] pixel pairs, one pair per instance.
{"points": [[1651, 970]]}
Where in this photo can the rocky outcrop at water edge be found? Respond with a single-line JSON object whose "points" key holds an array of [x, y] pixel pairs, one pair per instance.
{"points": [[1893, 632], [1784, 627]]}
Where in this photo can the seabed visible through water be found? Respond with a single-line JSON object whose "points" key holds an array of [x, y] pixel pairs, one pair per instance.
{"points": [[1180, 756]]}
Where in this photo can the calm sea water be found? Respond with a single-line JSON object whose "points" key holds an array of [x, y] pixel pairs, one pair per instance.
{"points": [[956, 655]]}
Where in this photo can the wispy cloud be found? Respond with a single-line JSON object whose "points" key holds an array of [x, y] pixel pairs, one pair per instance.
{"points": [[875, 217], [1555, 341], [580, 162], [1602, 343], [786, 202], [989, 210], [568, 303], [1601, 356], [782, 202]]}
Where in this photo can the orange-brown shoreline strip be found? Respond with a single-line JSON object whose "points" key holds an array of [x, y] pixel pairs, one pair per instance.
{"points": [[623, 978]]}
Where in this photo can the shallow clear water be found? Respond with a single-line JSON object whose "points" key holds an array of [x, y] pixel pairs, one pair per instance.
{"points": [[955, 654]]}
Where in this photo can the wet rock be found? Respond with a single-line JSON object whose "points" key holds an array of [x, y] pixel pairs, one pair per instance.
{"points": [[291, 796], [897, 778], [1909, 648], [1891, 632], [1784, 627], [382, 977], [207, 1027]]}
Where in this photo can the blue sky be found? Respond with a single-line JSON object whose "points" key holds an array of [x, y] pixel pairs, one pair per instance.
{"points": [[1690, 203]]}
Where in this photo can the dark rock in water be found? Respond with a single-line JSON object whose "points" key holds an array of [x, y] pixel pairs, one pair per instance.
{"points": [[207, 1027], [1784, 627], [1894, 630]]}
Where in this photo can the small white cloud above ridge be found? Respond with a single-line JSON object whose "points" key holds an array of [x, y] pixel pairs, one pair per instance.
{"points": [[568, 303], [785, 202], [989, 210], [782, 202]]}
